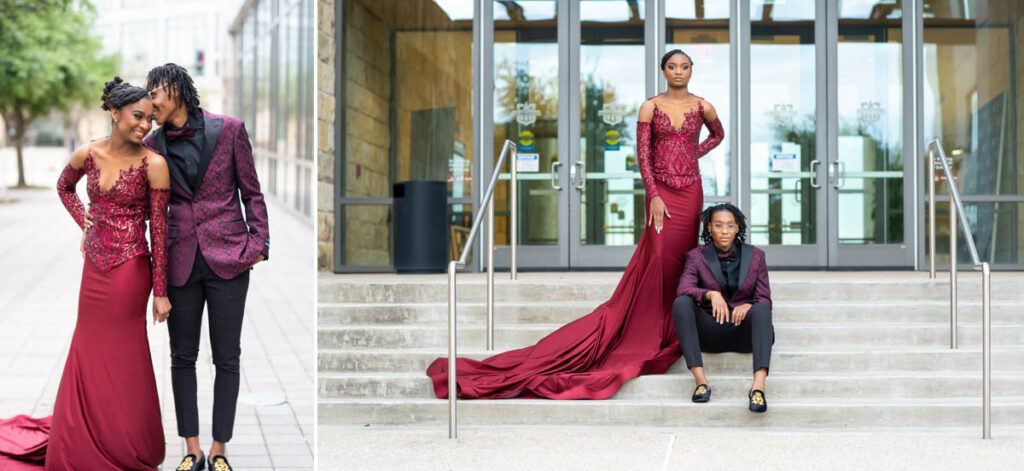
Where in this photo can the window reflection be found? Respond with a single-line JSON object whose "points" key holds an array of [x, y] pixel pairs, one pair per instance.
{"points": [[971, 55]]}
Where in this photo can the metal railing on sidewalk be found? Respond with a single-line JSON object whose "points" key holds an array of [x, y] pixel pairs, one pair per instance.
{"points": [[454, 265], [956, 211]]}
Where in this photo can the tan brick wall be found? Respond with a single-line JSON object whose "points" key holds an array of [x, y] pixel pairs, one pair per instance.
{"points": [[325, 134]]}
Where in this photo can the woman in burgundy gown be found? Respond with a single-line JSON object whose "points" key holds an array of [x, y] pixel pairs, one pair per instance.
{"points": [[107, 413], [631, 334]]}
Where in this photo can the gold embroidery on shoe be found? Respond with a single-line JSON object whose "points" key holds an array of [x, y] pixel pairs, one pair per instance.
{"points": [[186, 464], [220, 464], [701, 390], [758, 399]]}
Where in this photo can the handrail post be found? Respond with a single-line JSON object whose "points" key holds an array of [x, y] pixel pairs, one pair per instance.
{"points": [[952, 275], [490, 274], [931, 212], [453, 387], [514, 216], [986, 349]]}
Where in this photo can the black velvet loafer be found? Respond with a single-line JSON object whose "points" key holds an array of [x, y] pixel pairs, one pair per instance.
{"points": [[192, 463], [702, 393], [757, 401], [219, 463]]}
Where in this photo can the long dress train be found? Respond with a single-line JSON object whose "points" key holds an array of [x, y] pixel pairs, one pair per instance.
{"points": [[107, 413], [632, 333]]}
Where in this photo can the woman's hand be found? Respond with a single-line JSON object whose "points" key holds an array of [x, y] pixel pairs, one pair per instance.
{"points": [[740, 312], [657, 213], [161, 308], [719, 308]]}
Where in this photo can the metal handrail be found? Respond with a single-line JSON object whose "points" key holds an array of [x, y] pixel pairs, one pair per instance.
{"points": [[454, 265], [957, 209]]}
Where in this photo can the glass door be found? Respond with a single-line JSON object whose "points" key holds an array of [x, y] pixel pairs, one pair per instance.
{"points": [[528, 109], [787, 217], [608, 71], [826, 168], [866, 165]]}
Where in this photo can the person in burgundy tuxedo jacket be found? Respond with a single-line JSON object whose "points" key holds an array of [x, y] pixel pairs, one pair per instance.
{"points": [[210, 248], [725, 302]]}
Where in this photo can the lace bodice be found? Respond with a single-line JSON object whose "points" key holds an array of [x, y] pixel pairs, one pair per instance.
{"points": [[668, 154], [119, 215]]}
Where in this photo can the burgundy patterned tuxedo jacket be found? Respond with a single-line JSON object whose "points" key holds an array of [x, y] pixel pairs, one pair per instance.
{"points": [[703, 273], [210, 219]]}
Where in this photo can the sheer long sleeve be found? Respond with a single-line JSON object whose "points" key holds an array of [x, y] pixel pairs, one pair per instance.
{"points": [[69, 196], [717, 134], [158, 237], [644, 154]]}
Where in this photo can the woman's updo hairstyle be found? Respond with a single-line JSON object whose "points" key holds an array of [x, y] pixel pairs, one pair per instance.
{"points": [[668, 55], [118, 93]]}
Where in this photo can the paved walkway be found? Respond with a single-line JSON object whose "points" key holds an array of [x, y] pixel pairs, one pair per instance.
{"points": [[624, 449], [40, 272]]}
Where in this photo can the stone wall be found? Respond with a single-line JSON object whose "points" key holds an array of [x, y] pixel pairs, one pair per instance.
{"points": [[325, 134], [367, 89]]}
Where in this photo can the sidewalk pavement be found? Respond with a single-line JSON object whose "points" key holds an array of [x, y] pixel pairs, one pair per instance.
{"points": [[533, 448], [40, 273]]}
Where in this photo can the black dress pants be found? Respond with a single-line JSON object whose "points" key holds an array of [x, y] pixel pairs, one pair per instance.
{"points": [[225, 303], [698, 331]]}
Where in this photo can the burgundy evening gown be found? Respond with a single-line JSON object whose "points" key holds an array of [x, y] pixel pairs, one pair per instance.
{"points": [[107, 413], [631, 334]]}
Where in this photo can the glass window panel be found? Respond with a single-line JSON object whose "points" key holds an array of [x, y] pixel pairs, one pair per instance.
{"points": [[970, 101], [612, 90], [526, 112], [186, 43], [998, 233], [870, 97], [697, 10], [139, 50], [707, 44], [396, 128], [365, 235], [782, 123]]}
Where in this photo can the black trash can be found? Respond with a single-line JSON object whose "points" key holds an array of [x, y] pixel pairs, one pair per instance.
{"points": [[421, 229]]}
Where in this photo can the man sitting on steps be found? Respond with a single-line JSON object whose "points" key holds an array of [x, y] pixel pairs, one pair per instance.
{"points": [[725, 302]]}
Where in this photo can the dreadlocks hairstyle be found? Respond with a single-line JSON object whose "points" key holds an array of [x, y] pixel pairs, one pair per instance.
{"points": [[707, 214], [118, 93], [173, 76], [668, 55]]}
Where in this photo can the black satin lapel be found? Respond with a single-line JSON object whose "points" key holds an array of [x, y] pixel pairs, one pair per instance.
{"points": [[716, 268], [746, 252], [160, 142], [211, 132]]}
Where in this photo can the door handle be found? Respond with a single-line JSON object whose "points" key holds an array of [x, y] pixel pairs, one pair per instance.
{"points": [[797, 189], [554, 174], [583, 175], [840, 174], [814, 174]]}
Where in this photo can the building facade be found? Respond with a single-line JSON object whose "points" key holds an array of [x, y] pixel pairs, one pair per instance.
{"points": [[828, 107], [271, 89]]}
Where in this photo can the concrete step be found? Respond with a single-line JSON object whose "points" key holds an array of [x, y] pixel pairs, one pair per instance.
{"points": [[474, 313], [722, 411], [783, 386], [408, 360], [598, 288], [787, 335]]}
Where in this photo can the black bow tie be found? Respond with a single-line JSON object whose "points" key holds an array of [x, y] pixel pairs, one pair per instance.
{"points": [[184, 131], [730, 253]]}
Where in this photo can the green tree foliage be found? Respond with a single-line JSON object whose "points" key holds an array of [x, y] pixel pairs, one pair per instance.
{"points": [[49, 60]]}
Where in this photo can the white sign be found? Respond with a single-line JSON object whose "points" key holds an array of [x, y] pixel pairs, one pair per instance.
{"points": [[612, 114], [526, 113], [785, 163], [527, 162]]}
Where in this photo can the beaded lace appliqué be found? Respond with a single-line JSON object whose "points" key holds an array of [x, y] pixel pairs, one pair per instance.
{"points": [[669, 153]]}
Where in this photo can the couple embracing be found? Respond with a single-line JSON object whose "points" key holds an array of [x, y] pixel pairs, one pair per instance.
{"points": [[191, 179]]}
